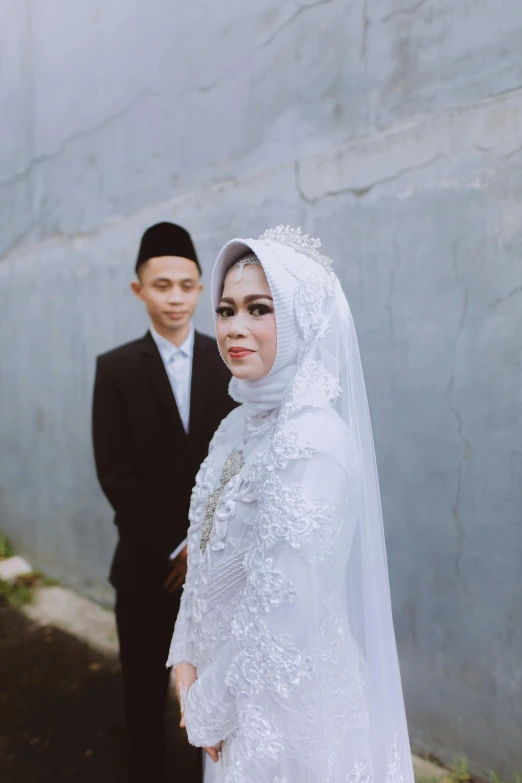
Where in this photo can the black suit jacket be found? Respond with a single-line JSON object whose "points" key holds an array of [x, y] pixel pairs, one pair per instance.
{"points": [[146, 463]]}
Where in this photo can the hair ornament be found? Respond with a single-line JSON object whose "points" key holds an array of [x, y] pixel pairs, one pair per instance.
{"points": [[301, 243]]}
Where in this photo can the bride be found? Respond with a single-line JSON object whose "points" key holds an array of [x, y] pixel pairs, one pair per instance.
{"points": [[284, 648]]}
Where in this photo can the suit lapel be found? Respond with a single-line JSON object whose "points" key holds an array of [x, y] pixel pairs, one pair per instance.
{"points": [[154, 369], [198, 389]]}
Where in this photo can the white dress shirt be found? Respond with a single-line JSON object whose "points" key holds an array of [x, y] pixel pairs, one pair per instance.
{"points": [[178, 364]]}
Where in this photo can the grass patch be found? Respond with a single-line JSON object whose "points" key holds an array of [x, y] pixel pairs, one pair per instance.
{"points": [[6, 548], [459, 772], [497, 779], [21, 591], [17, 593]]}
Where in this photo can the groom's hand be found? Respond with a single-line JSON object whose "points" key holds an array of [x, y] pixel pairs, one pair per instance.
{"points": [[178, 572]]}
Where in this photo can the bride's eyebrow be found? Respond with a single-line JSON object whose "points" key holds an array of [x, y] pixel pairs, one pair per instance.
{"points": [[251, 298], [246, 299]]}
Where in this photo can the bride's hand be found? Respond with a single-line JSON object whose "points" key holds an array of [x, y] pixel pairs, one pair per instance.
{"points": [[186, 676], [214, 752]]}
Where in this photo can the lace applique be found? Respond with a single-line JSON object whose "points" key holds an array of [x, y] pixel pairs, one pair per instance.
{"points": [[344, 683], [200, 492], [266, 661], [312, 387], [288, 514], [360, 773], [310, 298], [394, 774], [260, 424], [255, 744], [208, 719], [336, 691], [266, 587], [260, 742], [286, 445]]}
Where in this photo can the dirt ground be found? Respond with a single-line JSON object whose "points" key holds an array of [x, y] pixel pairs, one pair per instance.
{"points": [[61, 711]]}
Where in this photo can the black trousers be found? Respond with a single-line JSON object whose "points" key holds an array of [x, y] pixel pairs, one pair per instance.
{"points": [[145, 627]]}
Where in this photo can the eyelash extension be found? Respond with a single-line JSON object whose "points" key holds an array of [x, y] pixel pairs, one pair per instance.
{"points": [[264, 308]]}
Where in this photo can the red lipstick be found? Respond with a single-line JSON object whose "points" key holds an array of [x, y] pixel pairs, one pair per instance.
{"points": [[239, 352]]}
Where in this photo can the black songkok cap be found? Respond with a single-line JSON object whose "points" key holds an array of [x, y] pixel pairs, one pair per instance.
{"points": [[166, 239]]}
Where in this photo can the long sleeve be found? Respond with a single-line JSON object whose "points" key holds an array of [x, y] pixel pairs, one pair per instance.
{"points": [[180, 649], [132, 500], [287, 641]]}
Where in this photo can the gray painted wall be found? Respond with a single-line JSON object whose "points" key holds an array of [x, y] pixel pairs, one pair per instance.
{"points": [[393, 130]]}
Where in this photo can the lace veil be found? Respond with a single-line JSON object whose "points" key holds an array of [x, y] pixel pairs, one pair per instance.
{"points": [[318, 355]]}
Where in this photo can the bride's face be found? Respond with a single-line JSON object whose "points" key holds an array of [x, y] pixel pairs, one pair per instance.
{"points": [[246, 326]]}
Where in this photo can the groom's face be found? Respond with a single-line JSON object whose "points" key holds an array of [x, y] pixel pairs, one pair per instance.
{"points": [[169, 287]]}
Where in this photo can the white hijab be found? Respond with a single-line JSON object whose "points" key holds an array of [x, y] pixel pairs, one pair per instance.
{"points": [[265, 393]]}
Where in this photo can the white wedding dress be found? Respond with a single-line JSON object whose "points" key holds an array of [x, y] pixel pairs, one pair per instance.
{"points": [[285, 611]]}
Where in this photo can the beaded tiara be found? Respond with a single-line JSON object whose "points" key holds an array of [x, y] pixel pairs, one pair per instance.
{"points": [[301, 243]]}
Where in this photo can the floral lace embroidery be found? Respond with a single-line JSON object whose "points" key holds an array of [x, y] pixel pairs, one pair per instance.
{"points": [[288, 514], [360, 773], [394, 774], [309, 301], [259, 739], [312, 387], [266, 587], [336, 692], [256, 743], [286, 445], [344, 683], [266, 661], [208, 719]]}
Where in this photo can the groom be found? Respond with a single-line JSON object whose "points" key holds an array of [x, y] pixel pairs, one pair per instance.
{"points": [[157, 402]]}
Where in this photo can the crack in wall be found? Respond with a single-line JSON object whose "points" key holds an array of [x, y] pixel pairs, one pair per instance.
{"points": [[83, 134], [231, 68], [412, 9], [19, 239], [467, 447], [393, 271], [299, 188], [363, 191], [150, 92], [514, 153], [206, 88], [291, 19], [366, 22], [467, 451], [502, 299]]}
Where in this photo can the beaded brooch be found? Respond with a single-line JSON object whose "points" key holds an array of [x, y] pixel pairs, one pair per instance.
{"points": [[233, 464]]}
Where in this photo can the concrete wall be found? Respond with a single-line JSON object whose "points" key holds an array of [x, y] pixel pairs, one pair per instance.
{"points": [[393, 130]]}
